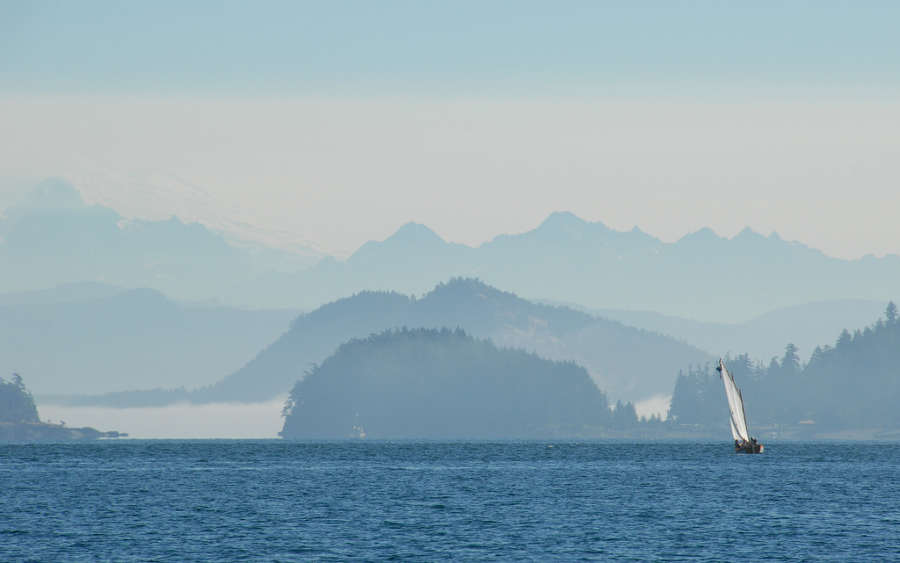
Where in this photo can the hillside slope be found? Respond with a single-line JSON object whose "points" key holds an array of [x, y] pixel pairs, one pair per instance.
{"points": [[762, 337], [86, 340], [627, 363]]}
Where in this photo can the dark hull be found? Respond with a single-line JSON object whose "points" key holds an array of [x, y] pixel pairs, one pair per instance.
{"points": [[749, 449]]}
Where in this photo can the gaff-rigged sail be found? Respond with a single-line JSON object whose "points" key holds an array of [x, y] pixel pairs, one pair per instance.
{"points": [[739, 430]]}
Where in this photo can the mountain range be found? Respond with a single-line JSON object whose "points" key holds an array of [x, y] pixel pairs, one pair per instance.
{"points": [[701, 277], [53, 238]]}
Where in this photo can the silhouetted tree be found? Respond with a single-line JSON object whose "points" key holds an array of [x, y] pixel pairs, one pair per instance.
{"points": [[890, 313], [16, 403], [624, 416], [790, 363], [698, 399], [844, 339]]}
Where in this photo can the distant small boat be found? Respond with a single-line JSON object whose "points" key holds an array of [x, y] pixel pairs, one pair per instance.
{"points": [[743, 443]]}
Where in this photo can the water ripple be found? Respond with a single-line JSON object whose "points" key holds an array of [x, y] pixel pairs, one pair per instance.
{"points": [[273, 500]]}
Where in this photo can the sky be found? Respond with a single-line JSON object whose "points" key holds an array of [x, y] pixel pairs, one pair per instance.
{"points": [[332, 123]]}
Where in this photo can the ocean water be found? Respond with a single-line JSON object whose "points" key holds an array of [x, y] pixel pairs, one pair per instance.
{"points": [[275, 500]]}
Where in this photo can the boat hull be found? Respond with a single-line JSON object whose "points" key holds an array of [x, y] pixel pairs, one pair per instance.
{"points": [[749, 449]]}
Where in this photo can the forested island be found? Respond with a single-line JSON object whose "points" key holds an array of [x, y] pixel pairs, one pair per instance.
{"points": [[445, 384], [848, 390], [19, 420]]}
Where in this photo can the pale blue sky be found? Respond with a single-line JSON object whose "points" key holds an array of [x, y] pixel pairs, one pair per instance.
{"points": [[360, 48], [333, 123]]}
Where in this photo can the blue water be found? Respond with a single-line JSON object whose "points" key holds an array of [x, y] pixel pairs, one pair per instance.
{"points": [[272, 500]]}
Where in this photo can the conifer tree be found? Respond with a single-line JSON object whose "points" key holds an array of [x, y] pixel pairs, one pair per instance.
{"points": [[790, 363], [890, 313]]}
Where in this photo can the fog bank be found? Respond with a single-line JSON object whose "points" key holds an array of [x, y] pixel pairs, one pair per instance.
{"points": [[185, 421], [657, 404]]}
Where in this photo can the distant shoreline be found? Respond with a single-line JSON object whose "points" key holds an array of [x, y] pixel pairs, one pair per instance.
{"points": [[29, 432]]}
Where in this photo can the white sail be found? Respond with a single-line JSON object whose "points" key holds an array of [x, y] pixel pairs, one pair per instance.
{"points": [[739, 429], [734, 432]]}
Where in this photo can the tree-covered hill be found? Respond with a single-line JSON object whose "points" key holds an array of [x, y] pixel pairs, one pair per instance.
{"points": [[608, 349], [851, 388], [442, 384]]}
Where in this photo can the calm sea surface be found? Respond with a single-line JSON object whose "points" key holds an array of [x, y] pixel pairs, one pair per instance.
{"points": [[272, 500]]}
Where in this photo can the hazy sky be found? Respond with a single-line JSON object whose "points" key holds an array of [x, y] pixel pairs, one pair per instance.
{"points": [[333, 123]]}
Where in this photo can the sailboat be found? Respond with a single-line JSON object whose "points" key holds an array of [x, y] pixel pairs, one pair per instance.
{"points": [[743, 443]]}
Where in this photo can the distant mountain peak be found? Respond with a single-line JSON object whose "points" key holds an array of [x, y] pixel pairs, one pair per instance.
{"points": [[748, 234], [410, 235], [568, 222], [415, 232], [703, 235], [565, 225], [562, 218]]}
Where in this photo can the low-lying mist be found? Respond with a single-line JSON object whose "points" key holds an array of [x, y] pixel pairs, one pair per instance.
{"points": [[656, 405], [184, 421]]}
